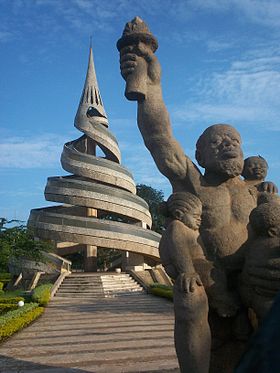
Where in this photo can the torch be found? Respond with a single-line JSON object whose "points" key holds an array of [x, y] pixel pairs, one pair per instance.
{"points": [[135, 32]]}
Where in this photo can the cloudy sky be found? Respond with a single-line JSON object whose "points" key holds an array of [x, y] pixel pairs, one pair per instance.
{"points": [[220, 61]]}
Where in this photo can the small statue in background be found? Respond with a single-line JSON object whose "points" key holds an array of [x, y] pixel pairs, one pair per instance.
{"points": [[254, 173]]}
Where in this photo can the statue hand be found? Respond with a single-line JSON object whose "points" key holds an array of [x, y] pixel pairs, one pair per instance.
{"points": [[133, 55], [187, 283], [268, 186]]}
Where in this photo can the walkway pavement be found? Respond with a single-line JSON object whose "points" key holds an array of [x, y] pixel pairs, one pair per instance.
{"points": [[121, 334]]}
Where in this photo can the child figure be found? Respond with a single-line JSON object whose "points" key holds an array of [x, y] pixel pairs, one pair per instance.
{"points": [[254, 173], [260, 279], [183, 258], [178, 247]]}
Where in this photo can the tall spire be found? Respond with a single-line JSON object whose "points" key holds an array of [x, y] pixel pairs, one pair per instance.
{"points": [[91, 104]]}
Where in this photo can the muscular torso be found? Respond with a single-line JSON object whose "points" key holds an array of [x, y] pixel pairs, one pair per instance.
{"points": [[225, 216]]}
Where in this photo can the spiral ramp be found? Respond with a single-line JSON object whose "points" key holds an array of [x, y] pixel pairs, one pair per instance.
{"points": [[97, 186]]}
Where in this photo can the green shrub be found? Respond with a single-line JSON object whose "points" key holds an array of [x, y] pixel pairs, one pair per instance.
{"points": [[161, 286], [1, 285], [42, 294], [12, 294], [5, 277], [11, 300], [160, 290], [5, 307], [15, 320]]}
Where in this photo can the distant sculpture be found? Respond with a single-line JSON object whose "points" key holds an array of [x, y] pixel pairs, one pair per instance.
{"points": [[97, 187], [255, 171], [260, 278], [227, 200]]}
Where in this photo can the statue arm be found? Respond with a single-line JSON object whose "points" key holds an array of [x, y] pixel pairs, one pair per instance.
{"points": [[154, 125], [153, 117]]}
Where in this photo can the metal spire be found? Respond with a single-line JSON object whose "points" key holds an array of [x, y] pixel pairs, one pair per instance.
{"points": [[91, 105]]}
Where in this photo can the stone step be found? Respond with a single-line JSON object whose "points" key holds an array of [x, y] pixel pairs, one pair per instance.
{"points": [[84, 358], [97, 286], [83, 288], [114, 285], [82, 321], [36, 340], [92, 346], [89, 295]]}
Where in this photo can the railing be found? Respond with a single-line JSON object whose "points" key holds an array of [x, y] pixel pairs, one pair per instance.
{"points": [[58, 282]]}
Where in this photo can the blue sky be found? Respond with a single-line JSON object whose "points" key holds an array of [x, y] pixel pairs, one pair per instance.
{"points": [[220, 64]]}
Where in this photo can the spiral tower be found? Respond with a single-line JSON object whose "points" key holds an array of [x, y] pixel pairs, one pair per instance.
{"points": [[97, 186]]}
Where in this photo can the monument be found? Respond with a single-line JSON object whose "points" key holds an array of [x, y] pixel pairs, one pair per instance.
{"points": [[224, 232], [98, 186]]}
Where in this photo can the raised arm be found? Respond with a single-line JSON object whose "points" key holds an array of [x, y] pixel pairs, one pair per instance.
{"points": [[153, 118]]}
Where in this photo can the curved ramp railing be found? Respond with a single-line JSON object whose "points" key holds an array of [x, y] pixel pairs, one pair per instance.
{"points": [[98, 183]]}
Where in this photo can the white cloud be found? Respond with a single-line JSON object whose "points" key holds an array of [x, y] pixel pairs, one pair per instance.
{"points": [[263, 12], [266, 12], [247, 91], [26, 152]]}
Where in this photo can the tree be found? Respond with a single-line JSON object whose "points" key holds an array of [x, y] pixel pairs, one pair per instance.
{"points": [[154, 198], [18, 242]]}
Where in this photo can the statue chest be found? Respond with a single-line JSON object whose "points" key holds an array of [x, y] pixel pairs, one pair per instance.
{"points": [[225, 204]]}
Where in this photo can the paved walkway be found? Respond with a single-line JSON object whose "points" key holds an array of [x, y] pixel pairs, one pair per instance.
{"points": [[113, 335]]}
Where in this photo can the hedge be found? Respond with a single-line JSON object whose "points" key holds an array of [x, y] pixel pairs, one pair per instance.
{"points": [[160, 290], [162, 293], [16, 320], [161, 286], [5, 277], [42, 294], [6, 307], [11, 300], [11, 294]]}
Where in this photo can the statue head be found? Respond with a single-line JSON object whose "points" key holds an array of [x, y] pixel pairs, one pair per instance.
{"points": [[218, 150], [185, 207], [255, 168], [265, 219]]}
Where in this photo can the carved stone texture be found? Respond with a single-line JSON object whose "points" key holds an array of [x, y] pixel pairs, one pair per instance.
{"points": [[226, 199], [97, 186], [254, 173], [255, 168], [261, 272], [135, 33]]}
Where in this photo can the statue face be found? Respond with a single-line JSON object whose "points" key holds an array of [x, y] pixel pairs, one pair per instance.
{"points": [[192, 219], [222, 153], [255, 169]]}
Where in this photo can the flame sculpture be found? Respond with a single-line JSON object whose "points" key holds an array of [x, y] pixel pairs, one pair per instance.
{"points": [[97, 185]]}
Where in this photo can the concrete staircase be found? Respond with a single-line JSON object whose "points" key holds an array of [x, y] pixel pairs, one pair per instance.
{"points": [[98, 285]]}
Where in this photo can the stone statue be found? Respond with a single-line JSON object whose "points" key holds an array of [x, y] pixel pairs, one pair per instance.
{"points": [[183, 255], [260, 279], [226, 199], [255, 171]]}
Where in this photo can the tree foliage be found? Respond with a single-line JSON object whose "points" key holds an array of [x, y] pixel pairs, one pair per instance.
{"points": [[154, 198], [18, 242]]}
